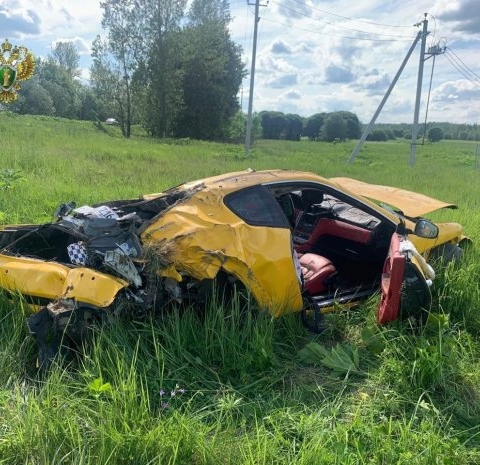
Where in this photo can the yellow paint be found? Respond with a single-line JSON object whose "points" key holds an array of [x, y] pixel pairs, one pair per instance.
{"points": [[208, 237], [50, 280], [203, 237], [410, 203]]}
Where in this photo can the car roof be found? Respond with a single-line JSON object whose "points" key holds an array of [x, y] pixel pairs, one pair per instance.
{"points": [[410, 203], [229, 182]]}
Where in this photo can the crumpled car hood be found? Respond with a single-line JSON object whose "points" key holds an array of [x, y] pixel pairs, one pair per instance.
{"points": [[410, 203]]}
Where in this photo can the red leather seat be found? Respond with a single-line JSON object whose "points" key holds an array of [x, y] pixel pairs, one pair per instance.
{"points": [[315, 270]]}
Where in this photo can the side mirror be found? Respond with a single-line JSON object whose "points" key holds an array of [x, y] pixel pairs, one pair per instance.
{"points": [[426, 229]]}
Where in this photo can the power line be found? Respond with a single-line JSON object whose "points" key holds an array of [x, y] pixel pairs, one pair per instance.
{"points": [[350, 19], [449, 49], [337, 25], [334, 35], [460, 70]]}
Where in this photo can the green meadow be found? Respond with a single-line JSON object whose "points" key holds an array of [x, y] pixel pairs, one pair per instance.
{"points": [[230, 388]]}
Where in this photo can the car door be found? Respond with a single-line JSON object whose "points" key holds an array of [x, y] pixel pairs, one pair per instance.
{"points": [[404, 288]]}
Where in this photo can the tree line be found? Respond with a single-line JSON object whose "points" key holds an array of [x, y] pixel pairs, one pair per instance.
{"points": [[171, 67], [174, 71]]}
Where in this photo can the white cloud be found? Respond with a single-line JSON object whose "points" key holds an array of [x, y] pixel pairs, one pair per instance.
{"points": [[312, 55], [322, 44]]}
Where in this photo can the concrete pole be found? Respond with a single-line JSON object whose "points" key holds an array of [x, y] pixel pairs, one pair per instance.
{"points": [[382, 103], [252, 79], [413, 143]]}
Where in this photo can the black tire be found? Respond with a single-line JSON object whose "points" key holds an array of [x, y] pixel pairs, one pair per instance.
{"points": [[447, 253]]}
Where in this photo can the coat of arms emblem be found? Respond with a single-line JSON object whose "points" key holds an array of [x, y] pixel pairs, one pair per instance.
{"points": [[16, 64]]}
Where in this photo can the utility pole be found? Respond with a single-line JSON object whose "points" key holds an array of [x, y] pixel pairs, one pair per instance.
{"points": [[423, 36], [252, 76], [413, 143], [382, 103]]}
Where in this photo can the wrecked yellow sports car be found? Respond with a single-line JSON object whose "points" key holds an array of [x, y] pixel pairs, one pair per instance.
{"points": [[296, 241]]}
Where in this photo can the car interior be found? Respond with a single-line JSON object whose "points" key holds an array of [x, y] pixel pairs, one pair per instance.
{"points": [[340, 246]]}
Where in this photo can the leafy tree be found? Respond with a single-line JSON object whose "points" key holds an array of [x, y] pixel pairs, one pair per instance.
{"points": [[378, 135], [106, 83], [61, 86], [212, 73], [237, 129], [334, 127], [435, 134], [89, 104], [54, 89], [162, 76], [389, 134], [313, 126], [65, 55], [204, 11], [33, 100], [294, 127], [163, 81], [274, 124], [353, 124], [116, 59]]}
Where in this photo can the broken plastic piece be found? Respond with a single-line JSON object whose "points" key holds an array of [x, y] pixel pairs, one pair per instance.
{"points": [[120, 262]]}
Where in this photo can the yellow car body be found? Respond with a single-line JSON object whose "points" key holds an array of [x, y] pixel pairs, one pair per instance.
{"points": [[245, 226]]}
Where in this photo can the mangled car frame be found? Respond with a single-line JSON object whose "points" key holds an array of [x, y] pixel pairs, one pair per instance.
{"points": [[296, 241]]}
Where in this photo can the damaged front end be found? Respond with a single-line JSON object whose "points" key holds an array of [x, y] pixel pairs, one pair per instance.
{"points": [[85, 268]]}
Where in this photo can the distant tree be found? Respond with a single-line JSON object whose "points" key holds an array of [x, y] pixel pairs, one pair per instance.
{"points": [[116, 59], [89, 105], [205, 11], [61, 86], [389, 134], [293, 129], [159, 25], [237, 128], [274, 124], [107, 84], [353, 124], [33, 100], [66, 55], [313, 125], [334, 127], [378, 135], [435, 134]]}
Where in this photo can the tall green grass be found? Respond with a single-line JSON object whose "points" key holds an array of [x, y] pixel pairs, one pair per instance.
{"points": [[228, 384]]}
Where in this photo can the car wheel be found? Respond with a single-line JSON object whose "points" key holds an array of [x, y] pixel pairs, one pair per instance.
{"points": [[447, 253]]}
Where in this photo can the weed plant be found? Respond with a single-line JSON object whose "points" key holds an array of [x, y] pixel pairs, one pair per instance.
{"points": [[229, 384]]}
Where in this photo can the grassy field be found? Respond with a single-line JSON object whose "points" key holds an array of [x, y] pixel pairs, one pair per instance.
{"points": [[231, 390]]}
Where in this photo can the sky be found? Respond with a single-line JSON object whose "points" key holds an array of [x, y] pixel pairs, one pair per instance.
{"points": [[313, 56]]}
